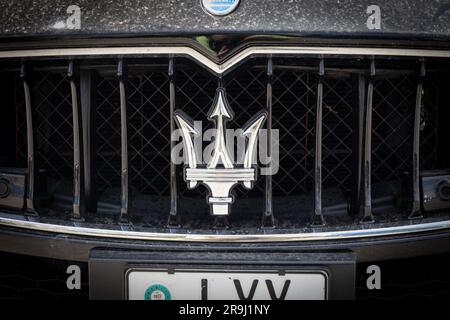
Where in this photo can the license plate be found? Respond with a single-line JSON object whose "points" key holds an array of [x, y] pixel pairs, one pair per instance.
{"points": [[226, 285]]}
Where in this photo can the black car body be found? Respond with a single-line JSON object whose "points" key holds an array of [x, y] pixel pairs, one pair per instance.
{"points": [[88, 94]]}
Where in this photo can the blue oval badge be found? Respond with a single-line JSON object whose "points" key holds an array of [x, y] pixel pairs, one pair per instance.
{"points": [[220, 7]]}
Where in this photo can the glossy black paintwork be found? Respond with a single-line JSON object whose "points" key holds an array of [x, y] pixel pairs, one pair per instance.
{"points": [[405, 18], [405, 23]]}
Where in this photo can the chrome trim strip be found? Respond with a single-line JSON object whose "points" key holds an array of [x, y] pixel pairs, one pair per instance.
{"points": [[221, 68], [151, 236]]}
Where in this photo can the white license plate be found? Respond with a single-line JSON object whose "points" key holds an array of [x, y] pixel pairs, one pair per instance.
{"points": [[225, 285]]}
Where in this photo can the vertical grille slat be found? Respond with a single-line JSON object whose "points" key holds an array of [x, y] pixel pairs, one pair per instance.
{"points": [[31, 159], [87, 107], [173, 220], [77, 146], [415, 211], [367, 215], [268, 217], [317, 217], [52, 129], [124, 201], [359, 146]]}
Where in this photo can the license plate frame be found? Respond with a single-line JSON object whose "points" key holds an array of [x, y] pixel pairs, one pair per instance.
{"points": [[108, 267], [207, 271]]}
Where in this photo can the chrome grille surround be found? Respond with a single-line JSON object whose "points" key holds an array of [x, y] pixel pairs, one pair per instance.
{"points": [[360, 231]]}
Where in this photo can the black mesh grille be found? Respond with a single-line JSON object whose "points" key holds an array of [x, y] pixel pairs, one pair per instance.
{"points": [[53, 129], [393, 110], [53, 123], [246, 92], [53, 114], [149, 132], [107, 135], [294, 107], [338, 132], [294, 116]]}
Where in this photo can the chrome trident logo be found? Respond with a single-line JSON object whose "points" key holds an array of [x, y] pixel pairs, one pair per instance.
{"points": [[220, 174]]}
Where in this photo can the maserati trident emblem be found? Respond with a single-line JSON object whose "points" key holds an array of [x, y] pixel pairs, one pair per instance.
{"points": [[220, 7], [219, 174]]}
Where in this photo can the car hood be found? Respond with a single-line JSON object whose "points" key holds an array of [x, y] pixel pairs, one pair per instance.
{"points": [[331, 18]]}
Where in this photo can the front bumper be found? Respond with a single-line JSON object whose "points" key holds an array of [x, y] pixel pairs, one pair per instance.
{"points": [[78, 247]]}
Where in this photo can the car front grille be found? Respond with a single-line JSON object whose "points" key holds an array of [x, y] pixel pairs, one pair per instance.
{"points": [[294, 96]]}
